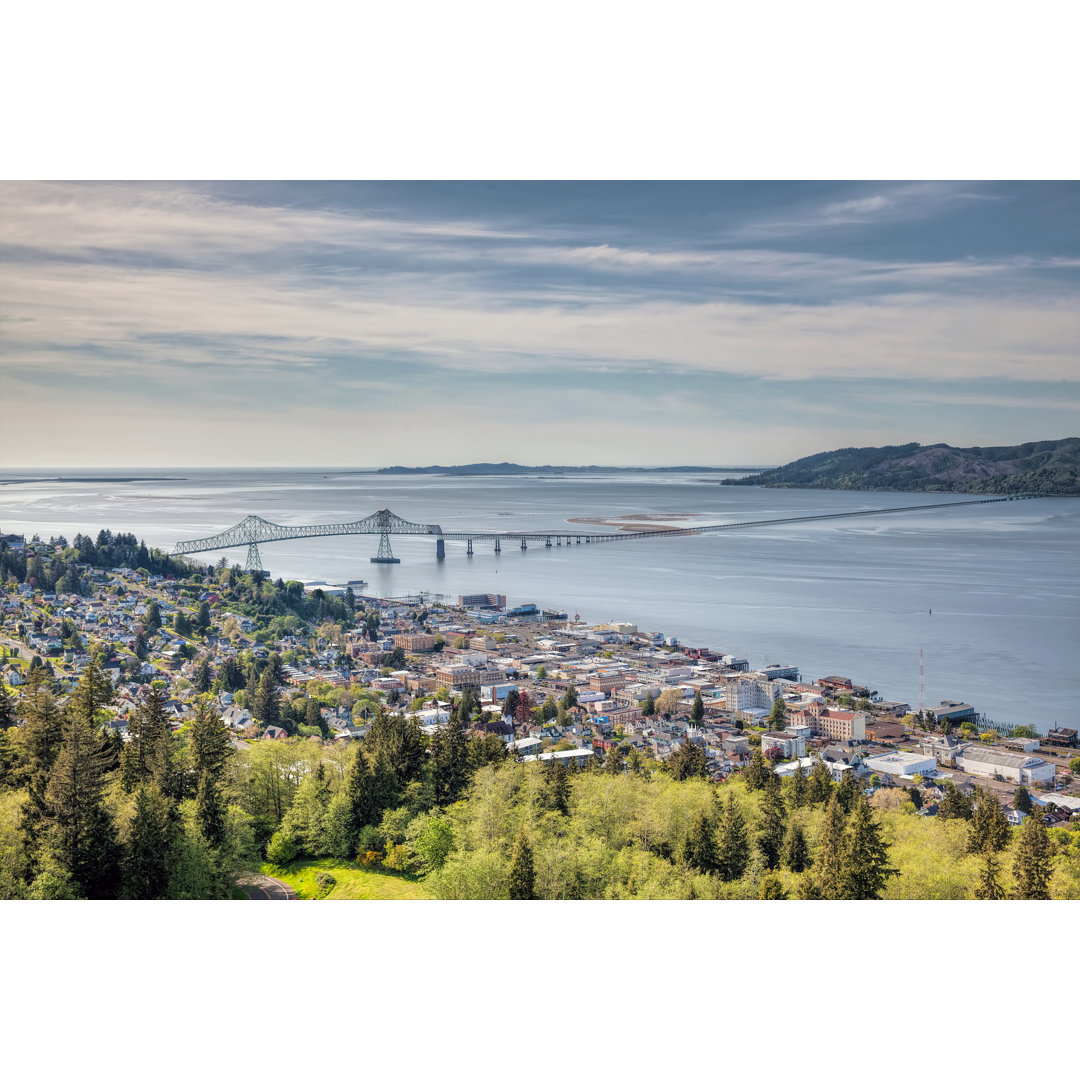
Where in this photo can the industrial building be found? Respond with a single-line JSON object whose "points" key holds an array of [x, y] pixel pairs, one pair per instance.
{"points": [[902, 764], [1017, 768]]}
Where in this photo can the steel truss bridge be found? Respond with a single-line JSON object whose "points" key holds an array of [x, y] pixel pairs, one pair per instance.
{"points": [[253, 531]]}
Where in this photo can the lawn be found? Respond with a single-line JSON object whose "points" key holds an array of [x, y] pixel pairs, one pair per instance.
{"points": [[353, 882]]}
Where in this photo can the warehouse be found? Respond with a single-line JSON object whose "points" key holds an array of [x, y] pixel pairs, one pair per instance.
{"points": [[1017, 768]]}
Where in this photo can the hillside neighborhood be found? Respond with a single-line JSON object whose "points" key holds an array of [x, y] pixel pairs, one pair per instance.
{"points": [[548, 687]]}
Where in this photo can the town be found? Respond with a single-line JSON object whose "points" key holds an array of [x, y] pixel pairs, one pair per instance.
{"points": [[549, 688]]}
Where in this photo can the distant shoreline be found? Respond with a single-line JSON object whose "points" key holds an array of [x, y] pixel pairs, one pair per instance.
{"points": [[87, 479], [507, 468]]}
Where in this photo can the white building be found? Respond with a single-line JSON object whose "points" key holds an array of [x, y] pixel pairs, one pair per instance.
{"points": [[748, 692], [1017, 768], [792, 744], [902, 764]]}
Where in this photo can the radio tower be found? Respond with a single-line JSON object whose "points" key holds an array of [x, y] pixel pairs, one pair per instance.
{"points": [[922, 688]]}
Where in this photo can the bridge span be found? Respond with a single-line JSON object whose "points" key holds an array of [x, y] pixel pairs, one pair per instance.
{"points": [[253, 531]]}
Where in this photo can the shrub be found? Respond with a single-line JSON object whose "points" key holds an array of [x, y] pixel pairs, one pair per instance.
{"points": [[1074, 765], [324, 882], [281, 849]]}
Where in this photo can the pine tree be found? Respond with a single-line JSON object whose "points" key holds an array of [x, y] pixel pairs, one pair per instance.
{"points": [[152, 618], [359, 789], [147, 855], [829, 859], [7, 706], [771, 826], [697, 710], [756, 774], [204, 677], [688, 762], [210, 747], [80, 829], [277, 668], [555, 792], [648, 707], [798, 795], [94, 692], [796, 852], [1022, 800], [733, 844], [522, 877], [866, 861], [819, 785], [148, 727], [771, 888], [849, 793], [202, 618], [210, 810], [989, 828], [701, 850], [449, 762], [955, 805], [267, 707], [1033, 864], [777, 716], [990, 887]]}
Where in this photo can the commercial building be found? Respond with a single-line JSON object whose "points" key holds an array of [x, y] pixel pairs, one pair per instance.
{"points": [[837, 724], [902, 764], [415, 642], [455, 676], [747, 692], [482, 600], [1017, 768]]}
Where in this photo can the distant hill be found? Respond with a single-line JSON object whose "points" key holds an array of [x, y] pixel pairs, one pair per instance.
{"points": [[1052, 468], [508, 468]]}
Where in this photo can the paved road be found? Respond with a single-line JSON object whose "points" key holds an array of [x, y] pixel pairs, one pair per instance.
{"points": [[261, 887]]}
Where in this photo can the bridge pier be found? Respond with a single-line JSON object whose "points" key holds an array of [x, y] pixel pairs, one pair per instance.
{"points": [[579, 539], [254, 560], [548, 544], [558, 542], [468, 547], [440, 548], [498, 545], [524, 546]]}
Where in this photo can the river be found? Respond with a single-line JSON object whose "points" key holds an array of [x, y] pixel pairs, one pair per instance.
{"points": [[849, 597]]}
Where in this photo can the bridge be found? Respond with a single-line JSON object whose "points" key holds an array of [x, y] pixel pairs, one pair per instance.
{"points": [[253, 531]]}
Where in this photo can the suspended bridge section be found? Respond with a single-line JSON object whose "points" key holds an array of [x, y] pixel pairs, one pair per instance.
{"points": [[253, 531]]}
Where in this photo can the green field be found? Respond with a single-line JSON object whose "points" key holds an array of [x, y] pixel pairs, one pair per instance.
{"points": [[353, 882]]}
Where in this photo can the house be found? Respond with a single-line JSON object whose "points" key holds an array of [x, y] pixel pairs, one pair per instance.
{"points": [[273, 732]]}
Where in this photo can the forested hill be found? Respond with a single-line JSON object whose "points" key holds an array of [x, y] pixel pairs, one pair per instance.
{"points": [[1052, 468]]}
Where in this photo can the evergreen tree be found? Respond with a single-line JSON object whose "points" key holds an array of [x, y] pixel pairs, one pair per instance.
{"points": [[849, 792], [777, 716], [756, 774], [141, 647], [990, 887], [771, 826], [94, 692], [989, 829], [147, 856], [202, 618], [359, 789], [152, 618], [819, 784], [7, 706], [204, 677], [232, 677], [449, 762], [82, 834], [522, 877], [182, 624], [210, 810], [148, 728], [511, 703], [688, 762], [829, 860], [1022, 800], [1033, 864], [771, 888], [210, 747], [267, 704], [796, 852], [701, 851], [697, 710], [648, 706], [866, 862], [615, 759], [955, 805], [733, 844], [555, 791], [798, 795], [277, 668]]}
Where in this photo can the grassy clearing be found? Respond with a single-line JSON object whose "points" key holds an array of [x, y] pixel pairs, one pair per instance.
{"points": [[353, 882]]}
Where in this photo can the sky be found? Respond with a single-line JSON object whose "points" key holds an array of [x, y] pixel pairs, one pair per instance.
{"points": [[630, 323]]}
